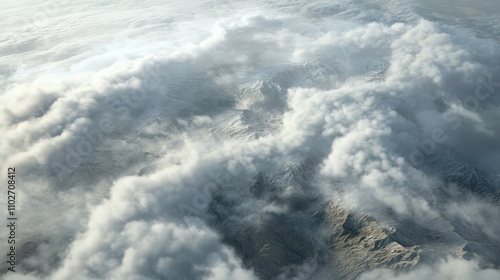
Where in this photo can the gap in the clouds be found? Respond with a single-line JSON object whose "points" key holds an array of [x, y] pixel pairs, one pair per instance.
{"points": [[274, 223]]}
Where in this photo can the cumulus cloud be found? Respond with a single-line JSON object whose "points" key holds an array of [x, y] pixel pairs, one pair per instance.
{"points": [[449, 269], [210, 142]]}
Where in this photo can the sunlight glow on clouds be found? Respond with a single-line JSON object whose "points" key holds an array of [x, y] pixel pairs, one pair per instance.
{"points": [[182, 140]]}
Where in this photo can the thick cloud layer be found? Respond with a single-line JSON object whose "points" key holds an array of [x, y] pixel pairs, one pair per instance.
{"points": [[450, 269], [228, 140]]}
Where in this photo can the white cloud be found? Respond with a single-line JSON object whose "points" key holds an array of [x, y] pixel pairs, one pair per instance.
{"points": [[125, 120], [456, 269]]}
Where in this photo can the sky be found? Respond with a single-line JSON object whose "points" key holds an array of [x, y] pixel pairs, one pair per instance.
{"points": [[252, 139]]}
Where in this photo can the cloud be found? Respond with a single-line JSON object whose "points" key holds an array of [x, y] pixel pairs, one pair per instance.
{"points": [[449, 269], [177, 148]]}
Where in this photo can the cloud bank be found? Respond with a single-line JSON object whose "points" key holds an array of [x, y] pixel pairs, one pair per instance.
{"points": [[251, 141]]}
